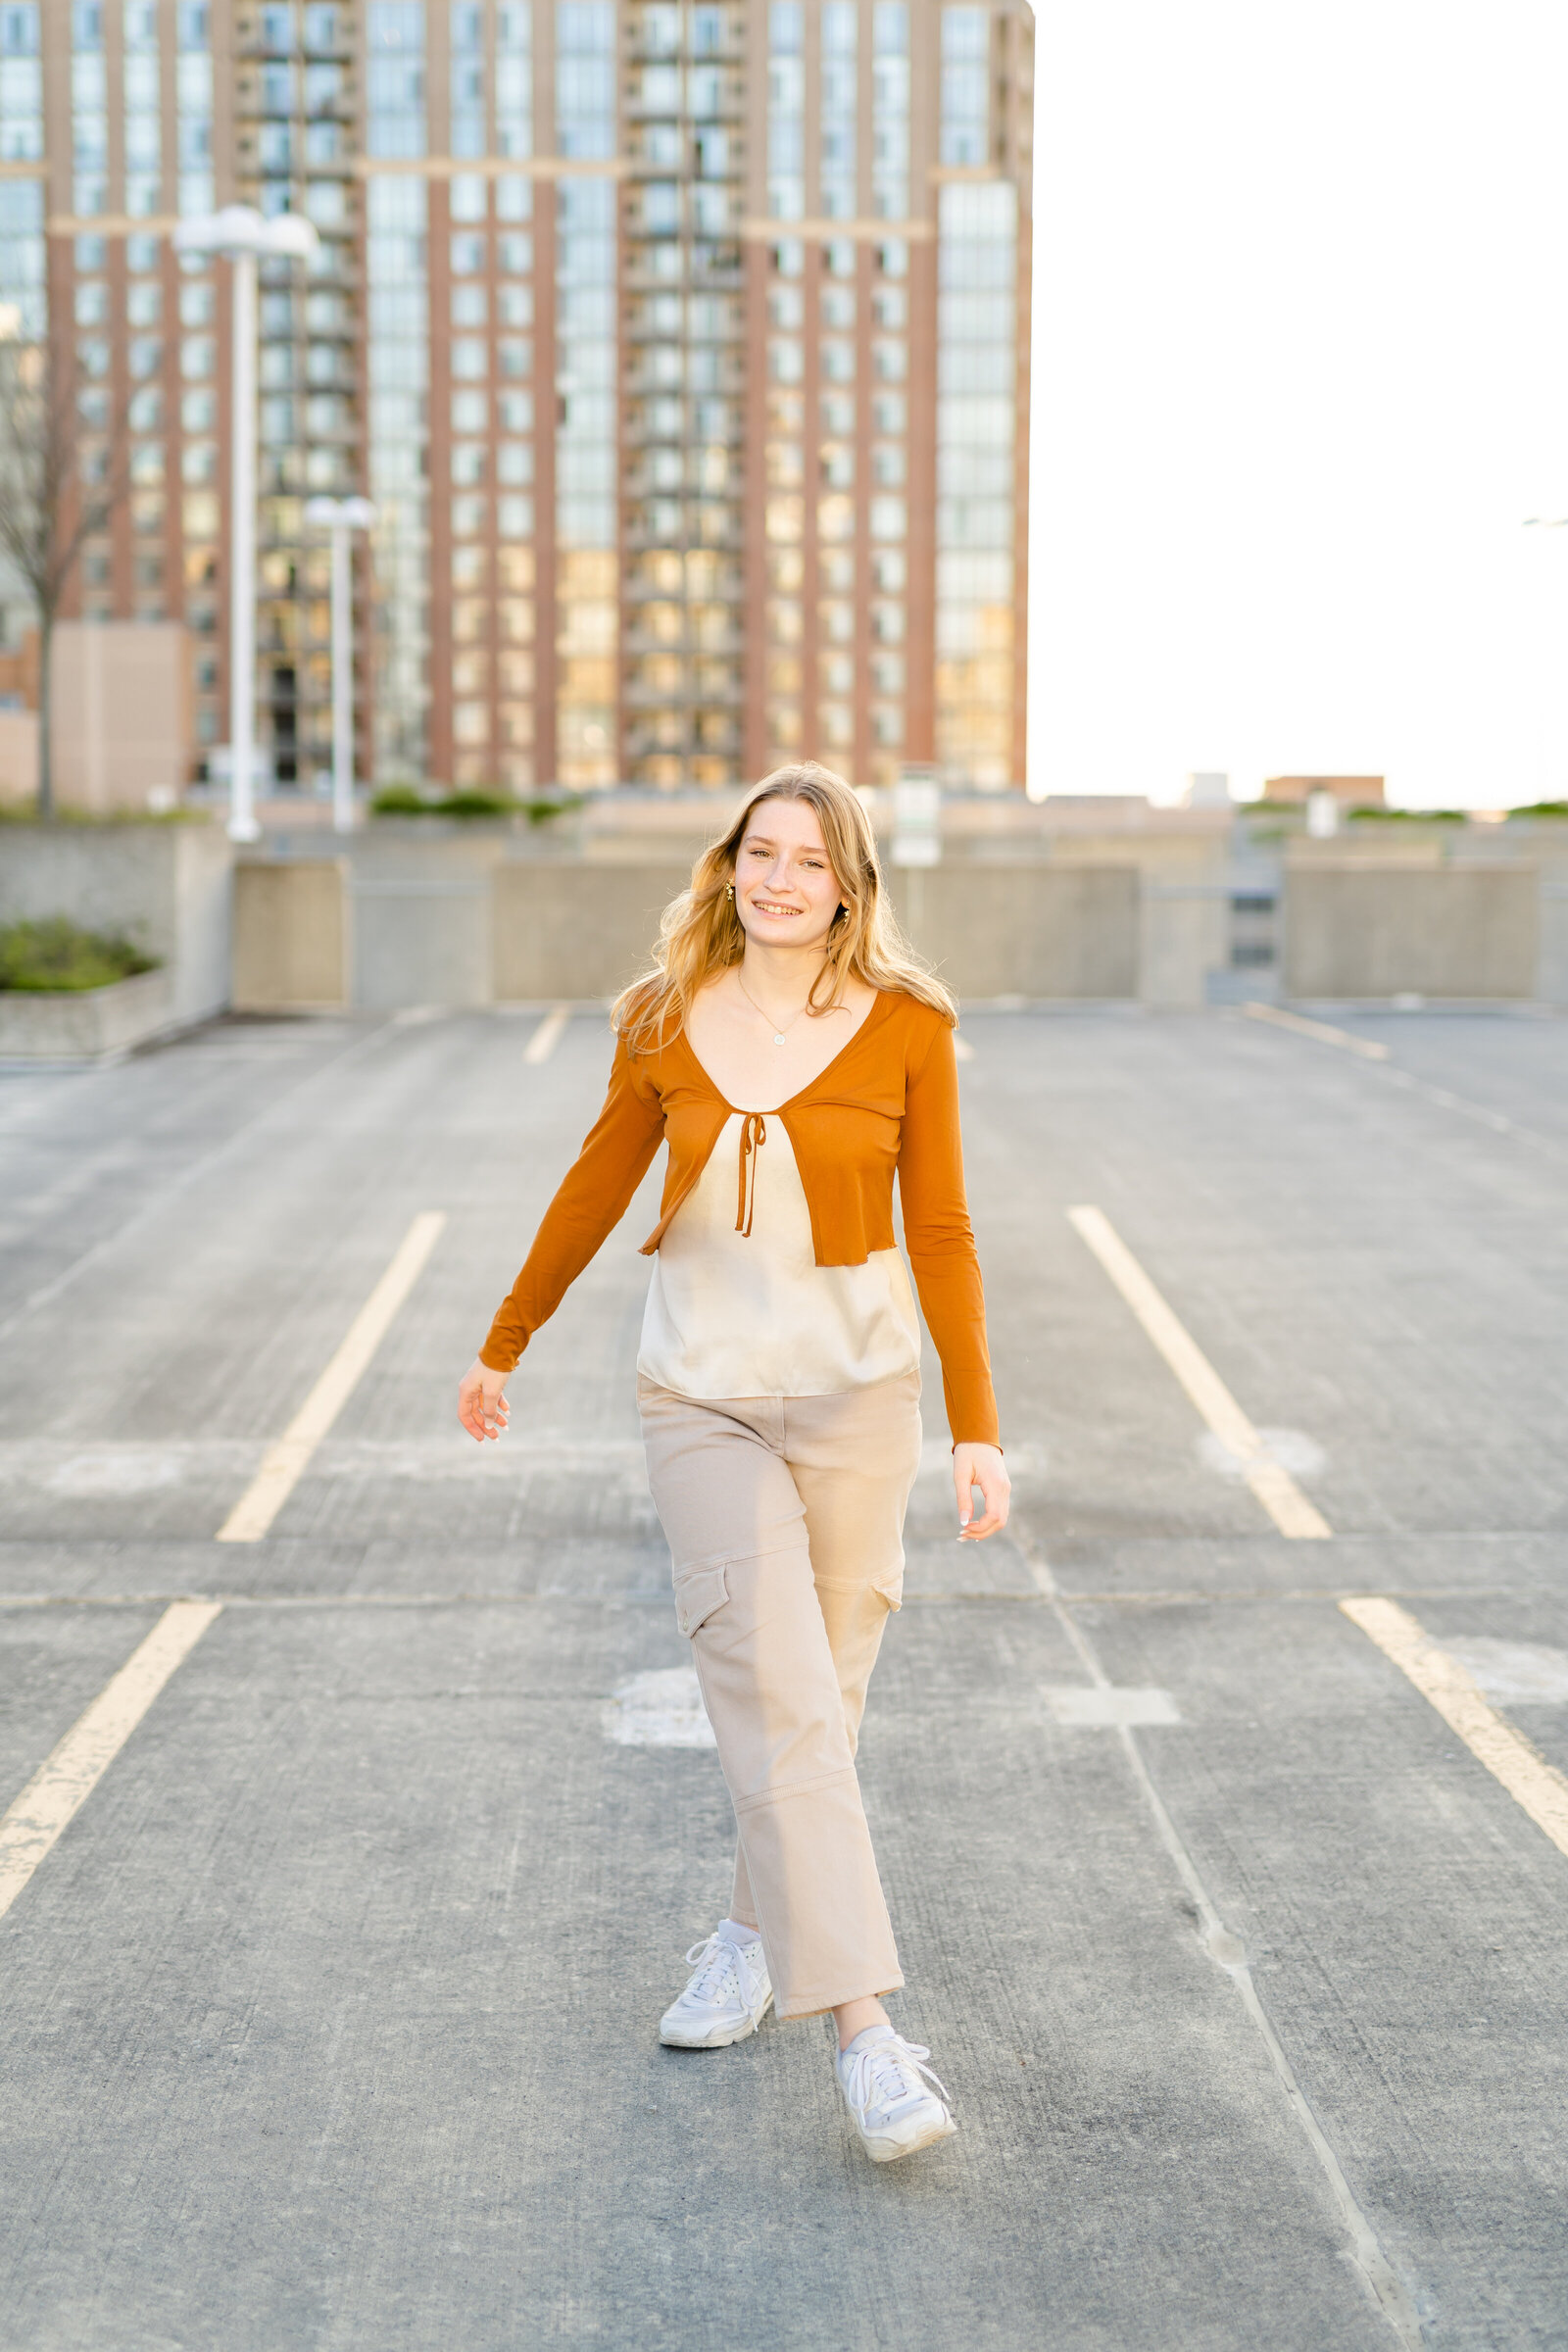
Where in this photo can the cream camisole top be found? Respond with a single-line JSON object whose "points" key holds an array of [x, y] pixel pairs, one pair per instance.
{"points": [[738, 1306]]}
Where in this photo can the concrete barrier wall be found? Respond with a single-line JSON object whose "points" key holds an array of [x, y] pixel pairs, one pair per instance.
{"points": [[1184, 936], [1385, 930], [87, 1024], [1025, 930], [586, 930], [393, 924], [1551, 982], [166, 887], [292, 926], [575, 930], [421, 941]]}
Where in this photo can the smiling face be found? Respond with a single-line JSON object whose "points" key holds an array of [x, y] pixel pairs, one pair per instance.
{"points": [[786, 892]]}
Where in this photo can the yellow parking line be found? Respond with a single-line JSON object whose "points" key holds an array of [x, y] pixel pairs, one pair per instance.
{"points": [[1490, 1738], [1275, 1488], [549, 1034], [62, 1785], [1323, 1031], [284, 1463]]}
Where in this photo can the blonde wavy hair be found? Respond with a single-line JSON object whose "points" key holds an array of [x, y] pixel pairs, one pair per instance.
{"points": [[700, 934]]}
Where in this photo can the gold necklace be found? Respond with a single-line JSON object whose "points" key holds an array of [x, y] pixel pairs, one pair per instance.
{"points": [[779, 1035]]}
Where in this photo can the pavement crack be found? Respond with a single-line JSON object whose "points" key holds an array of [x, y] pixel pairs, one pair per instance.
{"points": [[1388, 2290]]}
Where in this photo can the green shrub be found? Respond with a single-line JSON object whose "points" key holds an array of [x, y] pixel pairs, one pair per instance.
{"points": [[1407, 816], [42, 959], [25, 813], [407, 800], [473, 801], [1543, 808]]}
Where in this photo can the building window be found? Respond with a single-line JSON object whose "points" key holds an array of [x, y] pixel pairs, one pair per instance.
{"points": [[399, 328], [394, 41], [786, 111], [976, 428], [465, 77], [513, 80], [966, 85], [587, 533], [838, 108], [890, 109]]}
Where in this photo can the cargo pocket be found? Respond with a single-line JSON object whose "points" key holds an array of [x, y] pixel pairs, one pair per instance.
{"points": [[699, 1591], [890, 1587]]}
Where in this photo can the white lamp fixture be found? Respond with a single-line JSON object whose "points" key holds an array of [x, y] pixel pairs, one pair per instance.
{"points": [[340, 517], [245, 237]]}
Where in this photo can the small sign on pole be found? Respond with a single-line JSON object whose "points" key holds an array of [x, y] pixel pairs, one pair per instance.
{"points": [[917, 818]]}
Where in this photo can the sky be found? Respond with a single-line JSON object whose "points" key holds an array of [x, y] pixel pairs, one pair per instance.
{"points": [[1299, 375]]}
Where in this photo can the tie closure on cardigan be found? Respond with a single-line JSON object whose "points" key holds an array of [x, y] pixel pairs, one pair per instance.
{"points": [[754, 1133]]}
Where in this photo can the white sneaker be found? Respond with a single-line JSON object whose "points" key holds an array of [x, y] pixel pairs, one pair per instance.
{"points": [[880, 2076], [728, 1997]]}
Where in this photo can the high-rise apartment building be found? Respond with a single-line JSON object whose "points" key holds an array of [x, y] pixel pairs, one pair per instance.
{"points": [[682, 345]]}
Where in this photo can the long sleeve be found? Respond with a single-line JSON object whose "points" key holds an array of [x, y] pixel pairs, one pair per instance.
{"points": [[941, 1243], [593, 1198]]}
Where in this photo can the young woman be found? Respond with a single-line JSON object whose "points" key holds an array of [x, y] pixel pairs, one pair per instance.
{"points": [[794, 1056]]}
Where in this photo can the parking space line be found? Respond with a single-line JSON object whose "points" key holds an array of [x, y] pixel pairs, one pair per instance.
{"points": [[1534, 1784], [1275, 1488], [193, 1173], [1324, 1032], [1442, 1098], [64, 1781], [549, 1034], [284, 1463]]}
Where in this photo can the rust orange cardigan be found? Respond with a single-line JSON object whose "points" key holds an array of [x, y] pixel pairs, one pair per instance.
{"points": [[888, 1103]]}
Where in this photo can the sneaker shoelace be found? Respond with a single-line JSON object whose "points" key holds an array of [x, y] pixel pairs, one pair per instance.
{"points": [[718, 1964], [888, 2073]]}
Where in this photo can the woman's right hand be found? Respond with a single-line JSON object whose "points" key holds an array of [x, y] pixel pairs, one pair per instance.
{"points": [[482, 1406]]}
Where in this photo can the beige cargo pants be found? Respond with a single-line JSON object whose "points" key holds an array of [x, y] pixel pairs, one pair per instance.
{"points": [[785, 1521]]}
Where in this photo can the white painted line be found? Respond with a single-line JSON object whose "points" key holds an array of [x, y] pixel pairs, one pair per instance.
{"points": [[1368, 1050], [1490, 1738], [1108, 1706], [191, 1174], [1274, 1486], [662, 1708], [1517, 1674], [283, 1464], [549, 1034], [1324, 1032], [62, 1785]]}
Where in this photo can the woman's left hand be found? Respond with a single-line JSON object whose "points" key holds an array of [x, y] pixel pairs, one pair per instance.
{"points": [[980, 1466]]}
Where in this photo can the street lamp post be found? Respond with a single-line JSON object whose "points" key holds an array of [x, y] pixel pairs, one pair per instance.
{"points": [[244, 235], [340, 517]]}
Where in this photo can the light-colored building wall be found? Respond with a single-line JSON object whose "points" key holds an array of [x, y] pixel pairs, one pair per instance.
{"points": [[122, 704]]}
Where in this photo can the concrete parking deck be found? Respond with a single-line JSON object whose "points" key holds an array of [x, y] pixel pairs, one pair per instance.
{"points": [[329, 2014]]}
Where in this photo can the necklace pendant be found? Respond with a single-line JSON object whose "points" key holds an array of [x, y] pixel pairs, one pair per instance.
{"points": [[778, 1037]]}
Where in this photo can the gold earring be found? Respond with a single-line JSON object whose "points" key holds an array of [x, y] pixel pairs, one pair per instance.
{"points": [[729, 892]]}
